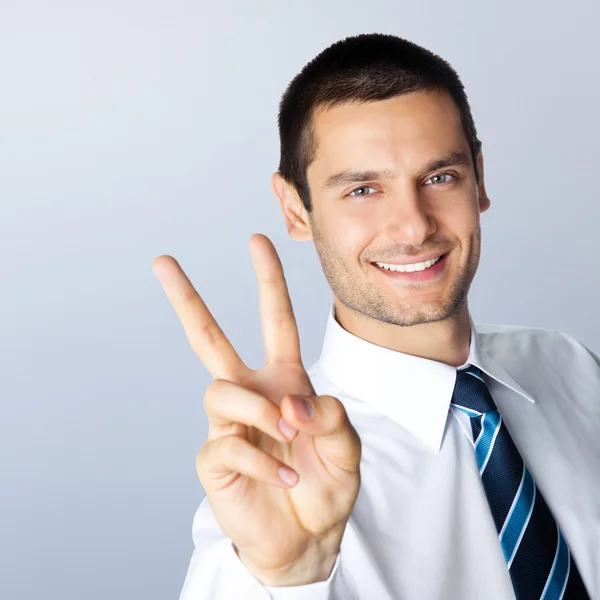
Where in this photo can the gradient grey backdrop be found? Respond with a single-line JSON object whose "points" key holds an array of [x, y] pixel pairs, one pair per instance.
{"points": [[133, 129]]}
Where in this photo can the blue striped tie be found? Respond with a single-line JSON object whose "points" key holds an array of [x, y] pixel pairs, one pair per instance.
{"points": [[538, 558]]}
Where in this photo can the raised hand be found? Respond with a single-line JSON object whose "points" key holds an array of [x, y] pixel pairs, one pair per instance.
{"points": [[286, 531]]}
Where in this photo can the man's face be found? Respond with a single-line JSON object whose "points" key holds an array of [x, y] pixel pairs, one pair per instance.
{"points": [[414, 214]]}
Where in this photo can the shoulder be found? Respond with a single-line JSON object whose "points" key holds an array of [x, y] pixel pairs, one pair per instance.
{"points": [[522, 344]]}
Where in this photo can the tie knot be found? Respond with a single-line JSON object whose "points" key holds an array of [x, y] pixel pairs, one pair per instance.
{"points": [[471, 393]]}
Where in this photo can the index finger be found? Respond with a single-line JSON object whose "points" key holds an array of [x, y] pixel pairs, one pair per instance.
{"points": [[203, 332], [280, 331]]}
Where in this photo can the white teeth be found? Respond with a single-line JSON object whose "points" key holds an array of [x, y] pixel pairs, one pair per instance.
{"points": [[409, 268]]}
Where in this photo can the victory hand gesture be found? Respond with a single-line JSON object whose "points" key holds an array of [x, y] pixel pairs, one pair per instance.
{"points": [[287, 525]]}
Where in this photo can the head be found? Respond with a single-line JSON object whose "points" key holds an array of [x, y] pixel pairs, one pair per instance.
{"points": [[380, 163]]}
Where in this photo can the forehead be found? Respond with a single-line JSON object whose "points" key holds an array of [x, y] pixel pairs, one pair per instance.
{"points": [[396, 133]]}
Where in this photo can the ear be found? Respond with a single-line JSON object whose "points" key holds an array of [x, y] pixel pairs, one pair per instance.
{"points": [[484, 201], [295, 214]]}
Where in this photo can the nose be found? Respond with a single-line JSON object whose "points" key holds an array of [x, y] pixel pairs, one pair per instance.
{"points": [[407, 218]]}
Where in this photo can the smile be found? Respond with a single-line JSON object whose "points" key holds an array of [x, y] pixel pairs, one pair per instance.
{"points": [[410, 267]]}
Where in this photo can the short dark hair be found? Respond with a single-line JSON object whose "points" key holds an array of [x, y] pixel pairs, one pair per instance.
{"points": [[365, 67]]}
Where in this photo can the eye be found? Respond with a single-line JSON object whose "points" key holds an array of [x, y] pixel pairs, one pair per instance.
{"points": [[440, 175], [362, 187]]}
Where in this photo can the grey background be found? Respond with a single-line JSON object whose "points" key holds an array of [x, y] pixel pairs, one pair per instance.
{"points": [[133, 129]]}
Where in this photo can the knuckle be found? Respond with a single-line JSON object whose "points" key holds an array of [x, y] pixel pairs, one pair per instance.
{"points": [[338, 411], [337, 416], [211, 394], [355, 437], [228, 448], [211, 333], [202, 460], [281, 318], [264, 412]]}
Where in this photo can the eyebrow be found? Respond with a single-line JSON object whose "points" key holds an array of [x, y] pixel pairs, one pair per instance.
{"points": [[451, 159]]}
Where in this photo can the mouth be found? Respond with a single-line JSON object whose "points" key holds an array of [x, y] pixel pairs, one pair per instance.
{"points": [[426, 271]]}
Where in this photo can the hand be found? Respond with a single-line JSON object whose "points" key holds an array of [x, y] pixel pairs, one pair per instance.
{"points": [[285, 533]]}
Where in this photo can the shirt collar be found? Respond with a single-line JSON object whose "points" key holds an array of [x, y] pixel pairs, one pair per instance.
{"points": [[413, 391]]}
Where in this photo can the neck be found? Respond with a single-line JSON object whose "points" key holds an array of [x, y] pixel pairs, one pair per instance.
{"points": [[446, 341]]}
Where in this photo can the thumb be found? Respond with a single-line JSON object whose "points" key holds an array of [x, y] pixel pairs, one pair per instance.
{"points": [[325, 418]]}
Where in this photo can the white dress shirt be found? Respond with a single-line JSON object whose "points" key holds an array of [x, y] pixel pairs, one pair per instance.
{"points": [[421, 528]]}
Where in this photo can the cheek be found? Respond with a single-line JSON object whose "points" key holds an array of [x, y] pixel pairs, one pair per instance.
{"points": [[354, 232], [459, 219]]}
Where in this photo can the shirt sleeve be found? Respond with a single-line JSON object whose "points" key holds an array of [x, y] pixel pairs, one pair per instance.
{"points": [[322, 590], [215, 571]]}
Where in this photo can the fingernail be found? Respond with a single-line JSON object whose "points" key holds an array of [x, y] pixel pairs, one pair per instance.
{"points": [[288, 476], [287, 430], [303, 408]]}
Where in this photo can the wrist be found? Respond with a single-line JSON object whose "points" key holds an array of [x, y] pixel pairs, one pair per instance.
{"points": [[314, 566]]}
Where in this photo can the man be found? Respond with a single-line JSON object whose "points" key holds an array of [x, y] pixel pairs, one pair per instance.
{"points": [[442, 459]]}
